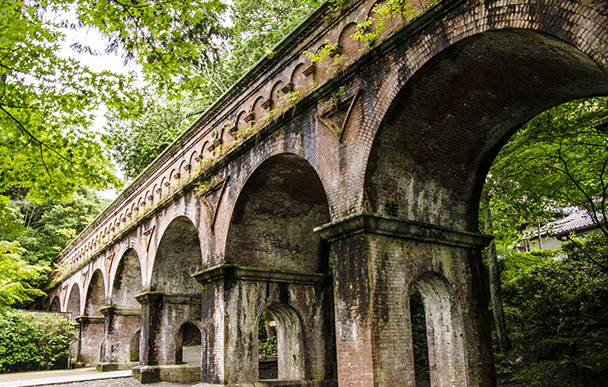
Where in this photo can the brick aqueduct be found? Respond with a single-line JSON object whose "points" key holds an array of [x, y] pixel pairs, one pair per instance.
{"points": [[324, 193]]}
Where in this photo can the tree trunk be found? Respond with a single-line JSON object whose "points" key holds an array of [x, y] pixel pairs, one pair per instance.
{"points": [[502, 336]]}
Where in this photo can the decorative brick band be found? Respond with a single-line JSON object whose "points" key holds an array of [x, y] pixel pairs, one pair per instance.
{"points": [[220, 272], [404, 229]]}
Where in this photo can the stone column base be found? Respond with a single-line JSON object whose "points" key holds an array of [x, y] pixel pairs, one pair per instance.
{"points": [[179, 373], [115, 366], [278, 383]]}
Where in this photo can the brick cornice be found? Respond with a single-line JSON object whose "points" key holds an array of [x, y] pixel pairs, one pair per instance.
{"points": [[403, 229], [228, 271]]}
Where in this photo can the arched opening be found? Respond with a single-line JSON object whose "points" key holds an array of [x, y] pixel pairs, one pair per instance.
{"points": [[92, 322], [73, 305], [96, 295], [444, 333], [188, 344], [445, 126], [177, 257], [286, 347], [274, 218], [434, 147], [271, 236], [55, 305], [124, 321], [419, 340], [73, 308], [127, 281]]}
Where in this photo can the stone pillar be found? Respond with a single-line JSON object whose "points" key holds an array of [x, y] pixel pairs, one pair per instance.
{"points": [[233, 299], [151, 308], [91, 339], [120, 326], [377, 261]]}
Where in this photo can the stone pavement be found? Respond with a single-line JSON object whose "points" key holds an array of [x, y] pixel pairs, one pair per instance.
{"points": [[39, 378]]}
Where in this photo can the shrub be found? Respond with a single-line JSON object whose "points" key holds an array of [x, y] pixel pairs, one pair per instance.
{"points": [[29, 342]]}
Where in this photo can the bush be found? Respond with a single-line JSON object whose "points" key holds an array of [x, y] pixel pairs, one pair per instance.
{"points": [[29, 342]]}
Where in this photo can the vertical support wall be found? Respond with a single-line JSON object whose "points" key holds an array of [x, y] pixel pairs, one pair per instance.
{"points": [[377, 261], [234, 297]]}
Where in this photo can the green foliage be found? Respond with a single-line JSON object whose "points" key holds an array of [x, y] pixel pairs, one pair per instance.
{"points": [[381, 13], [590, 248], [554, 298], [30, 343], [136, 142], [47, 105], [267, 338], [47, 228], [173, 41], [268, 347], [16, 275], [256, 26], [557, 160]]}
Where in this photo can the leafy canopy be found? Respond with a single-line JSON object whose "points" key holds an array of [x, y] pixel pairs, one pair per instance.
{"points": [[557, 160], [46, 106]]}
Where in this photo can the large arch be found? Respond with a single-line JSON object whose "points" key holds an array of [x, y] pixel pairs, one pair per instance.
{"points": [[446, 125], [123, 315], [424, 175], [92, 321], [127, 280], [173, 296], [178, 256], [72, 305], [273, 260], [96, 295], [274, 217]]}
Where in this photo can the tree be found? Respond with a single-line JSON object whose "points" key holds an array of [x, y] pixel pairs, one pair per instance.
{"points": [[138, 141], [16, 275], [47, 228], [257, 25], [47, 104], [558, 159], [173, 41]]}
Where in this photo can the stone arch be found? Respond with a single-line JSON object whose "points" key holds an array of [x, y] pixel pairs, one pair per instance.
{"points": [[193, 162], [349, 47], [186, 335], [149, 199], [476, 93], [444, 328], [240, 121], [160, 188], [277, 95], [258, 110], [178, 255], [204, 150], [298, 78], [127, 280], [183, 170], [96, 295], [55, 305], [290, 341], [272, 222]]}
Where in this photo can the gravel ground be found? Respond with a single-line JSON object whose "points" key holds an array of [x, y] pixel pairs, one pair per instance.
{"points": [[118, 382]]}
